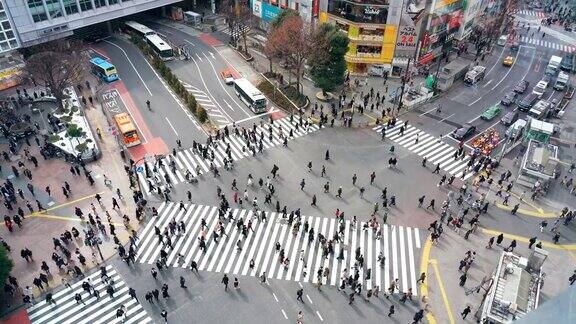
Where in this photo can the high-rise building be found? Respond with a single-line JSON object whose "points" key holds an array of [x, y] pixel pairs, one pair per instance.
{"points": [[30, 22]]}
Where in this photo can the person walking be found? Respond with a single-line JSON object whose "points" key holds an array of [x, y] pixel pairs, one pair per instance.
{"points": [[183, 283], [299, 294], [465, 312], [164, 315], [572, 278], [422, 278], [499, 238], [391, 311], [463, 279], [225, 281]]}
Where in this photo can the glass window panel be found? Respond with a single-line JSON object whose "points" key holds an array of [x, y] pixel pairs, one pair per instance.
{"points": [[10, 34], [112, 2], [36, 10], [2, 37], [85, 5], [100, 3], [54, 8], [13, 43], [70, 6], [4, 46], [6, 25]]}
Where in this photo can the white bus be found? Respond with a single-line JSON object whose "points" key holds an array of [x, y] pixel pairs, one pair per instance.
{"points": [[138, 29], [162, 49], [250, 95]]}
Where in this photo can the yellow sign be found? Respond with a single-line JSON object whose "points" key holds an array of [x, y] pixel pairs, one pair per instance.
{"points": [[444, 3]]}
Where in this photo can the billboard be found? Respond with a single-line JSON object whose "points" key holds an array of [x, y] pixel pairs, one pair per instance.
{"points": [[409, 28], [269, 12]]}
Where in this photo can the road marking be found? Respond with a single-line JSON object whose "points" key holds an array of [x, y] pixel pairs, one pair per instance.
{"points": [[497, 61], [309, 299], [443, 119], [72, 219], [227, 104], [487, 83], [67, 203], [442, 291], [212, 54], [208, 91], [424, 269], [132, 64], [223, 88], [320, 316], [198, 57], [271, 111], [567, 247], [169, 123], [509, 70], [284, 313], [273, 294], [133, 119], [426, 112], [189, 42]]}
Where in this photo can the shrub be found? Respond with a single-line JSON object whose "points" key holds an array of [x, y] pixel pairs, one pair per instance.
{"points": [[201, 114]]}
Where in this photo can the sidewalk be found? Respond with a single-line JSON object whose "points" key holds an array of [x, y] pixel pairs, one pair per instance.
{"points": [[40, 227]]}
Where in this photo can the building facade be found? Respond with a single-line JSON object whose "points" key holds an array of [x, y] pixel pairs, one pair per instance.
{"points": [[36, 21], [372, 38]]}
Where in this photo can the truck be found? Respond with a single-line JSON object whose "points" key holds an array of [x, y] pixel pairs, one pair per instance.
{"points": [[475, 74], [562, 81], [553, 65], [540, 109]]}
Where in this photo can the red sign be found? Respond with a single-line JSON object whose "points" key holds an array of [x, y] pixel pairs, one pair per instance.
{"points": [[315, 8], [425, 59]]}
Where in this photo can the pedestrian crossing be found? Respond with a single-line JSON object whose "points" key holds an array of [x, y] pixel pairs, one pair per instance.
{"points": [[532, 13], [93, 310], [399, 245], [175, 167], [544, 43], [431, 147], [214, 112], [236, 33]]}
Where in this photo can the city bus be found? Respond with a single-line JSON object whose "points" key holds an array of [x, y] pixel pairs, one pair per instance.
{"points": [[160, 47], [104, 69], [138, 29], [127, 129], [250, 95]]}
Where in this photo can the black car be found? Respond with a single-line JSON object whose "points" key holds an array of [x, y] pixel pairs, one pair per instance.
{"points": [[528, 101], [464, 131], [509, 98], [509, 118], [521, 86]]}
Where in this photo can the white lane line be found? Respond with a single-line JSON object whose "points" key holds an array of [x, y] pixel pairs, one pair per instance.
{"points": [[487, 83], [223, 88], [497, 61], [443, 119], [272, 110], [320, 316], [208, 91], [309, 299], [130, 61], [284, 313], [426, 112], [172, 126], [189, 42], [273, 294], [128, 110]]}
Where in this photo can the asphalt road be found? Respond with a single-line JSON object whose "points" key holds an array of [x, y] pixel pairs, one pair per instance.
{"points": [[168, 119], [203, 73]]}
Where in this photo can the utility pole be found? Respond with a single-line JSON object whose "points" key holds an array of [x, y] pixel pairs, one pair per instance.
{"points": [[404, 80]]}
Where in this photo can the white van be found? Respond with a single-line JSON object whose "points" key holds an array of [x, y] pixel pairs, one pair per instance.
{"points": [[502, 40], [515, 130], [475, 74], [377, 70]]}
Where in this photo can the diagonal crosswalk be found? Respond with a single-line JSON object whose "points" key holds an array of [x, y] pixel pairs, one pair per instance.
{"points": [[429, 146], [545, 43], [399, 244], [175, 167], [94, 310]]}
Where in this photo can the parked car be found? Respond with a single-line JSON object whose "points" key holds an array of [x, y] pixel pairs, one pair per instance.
{"points": [[227, 76], [528, 101], [509, 98], [510, 117], [491, 112], [521, 86], [464, 131]]}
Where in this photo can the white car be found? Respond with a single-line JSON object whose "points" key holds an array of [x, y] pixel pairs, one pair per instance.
{"points": [[540, 89]]}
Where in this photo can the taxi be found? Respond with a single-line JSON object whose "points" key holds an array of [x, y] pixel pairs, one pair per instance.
{"points": [[508, 61]]}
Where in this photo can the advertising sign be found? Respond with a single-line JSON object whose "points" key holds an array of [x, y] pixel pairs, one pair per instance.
{"points": [[257, 8], [315, 8], [409, 28], [269, 12]]}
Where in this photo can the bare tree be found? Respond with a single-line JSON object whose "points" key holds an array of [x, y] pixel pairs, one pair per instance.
{"points": [[240, 20], [56, 65], [273, 49], [296, 37]]}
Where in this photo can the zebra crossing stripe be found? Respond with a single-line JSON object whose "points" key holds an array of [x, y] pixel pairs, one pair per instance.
{"points": [[187, 160], [92, 310], [259, 245]]}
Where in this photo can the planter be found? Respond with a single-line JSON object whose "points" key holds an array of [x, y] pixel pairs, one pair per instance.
{"points": [[328, 97]]}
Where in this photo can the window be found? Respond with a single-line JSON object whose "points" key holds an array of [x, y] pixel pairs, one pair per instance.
{"points": [[4, 46], [112, 2], [3, 15], [2, 37], [54, 8], [100, 3], [6, 25], [70, 6], [85, 5], [37, 11], [14, 43], [9, 34]]}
